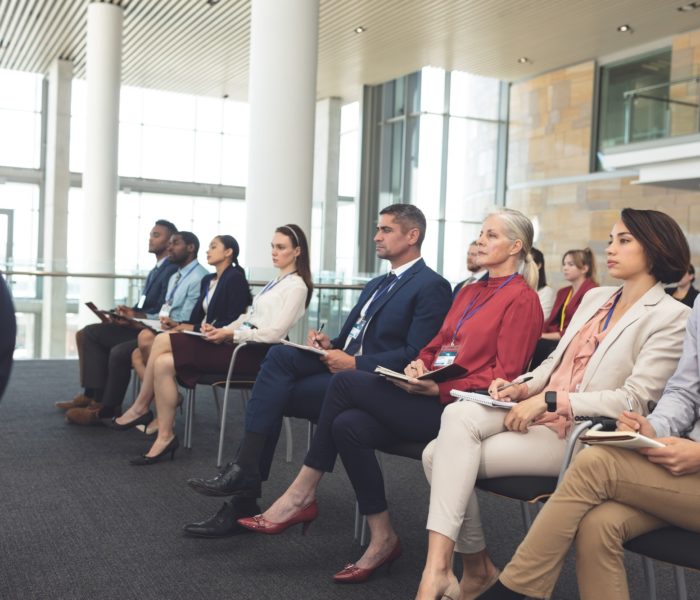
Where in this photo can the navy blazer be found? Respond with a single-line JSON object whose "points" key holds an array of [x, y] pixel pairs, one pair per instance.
{"points": [[155, 294], [229, 301], [405, 319]]}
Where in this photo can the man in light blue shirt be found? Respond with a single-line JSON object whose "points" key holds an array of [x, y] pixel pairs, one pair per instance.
{"points": [[183, 287]]}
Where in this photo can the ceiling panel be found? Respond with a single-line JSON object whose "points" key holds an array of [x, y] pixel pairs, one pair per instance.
{"points": [[196, 47]]}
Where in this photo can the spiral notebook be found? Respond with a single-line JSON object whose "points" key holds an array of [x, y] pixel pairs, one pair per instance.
{"points": [[620, 439], [481, 399]]}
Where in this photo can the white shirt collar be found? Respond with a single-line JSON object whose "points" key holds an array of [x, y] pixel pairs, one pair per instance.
{"points": [[403, 268]]}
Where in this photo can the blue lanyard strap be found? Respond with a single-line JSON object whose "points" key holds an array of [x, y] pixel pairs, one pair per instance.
{"points": [[610, 312], [179, 280], [466, 315], [274, 282]]}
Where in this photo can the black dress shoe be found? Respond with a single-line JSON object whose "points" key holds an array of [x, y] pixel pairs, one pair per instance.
{"points": [[223, 523], [142, 420], [231, 481]]}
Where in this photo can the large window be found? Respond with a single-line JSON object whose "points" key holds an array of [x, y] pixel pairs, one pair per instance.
{"points": [[635, 119], [20, 119], [169, 136], [439, 135]]}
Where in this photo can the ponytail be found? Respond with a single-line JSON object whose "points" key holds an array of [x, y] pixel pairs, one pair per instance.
{"points": [[530, 272]]}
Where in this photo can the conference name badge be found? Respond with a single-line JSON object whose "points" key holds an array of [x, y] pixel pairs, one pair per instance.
{"points": [[357, 328], [446, 356], [165, 311]]}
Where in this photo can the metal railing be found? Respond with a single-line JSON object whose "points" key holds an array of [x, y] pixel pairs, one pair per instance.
{"points": [[663, 110], [330, 304]]}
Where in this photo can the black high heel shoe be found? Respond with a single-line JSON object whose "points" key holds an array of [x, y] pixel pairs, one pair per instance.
{"points": [[142, 420], [143, 460]]}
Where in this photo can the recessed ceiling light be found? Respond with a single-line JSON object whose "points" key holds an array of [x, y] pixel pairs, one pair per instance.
{"points": [[360, 29], [524, 60], [625, 29], [688, 7]]}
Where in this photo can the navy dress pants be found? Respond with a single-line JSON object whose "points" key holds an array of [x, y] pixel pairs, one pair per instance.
{"points": [[362, 412], [290, 382]]}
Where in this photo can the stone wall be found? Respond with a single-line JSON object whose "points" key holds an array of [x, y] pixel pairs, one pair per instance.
{"points": [[550, 136]]}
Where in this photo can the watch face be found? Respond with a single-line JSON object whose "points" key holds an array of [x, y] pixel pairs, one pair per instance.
{"points": [[550, 399]]}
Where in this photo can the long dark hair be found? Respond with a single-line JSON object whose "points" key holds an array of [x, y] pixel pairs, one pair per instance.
{"points": [[538, 257], [303, 264], [664, 243], [229, 242]]}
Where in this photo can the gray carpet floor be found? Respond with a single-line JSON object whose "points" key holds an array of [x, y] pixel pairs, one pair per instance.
{"points": [[78, 522]]}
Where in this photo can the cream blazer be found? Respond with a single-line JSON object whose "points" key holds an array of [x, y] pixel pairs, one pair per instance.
{"points": [[635, 360]]}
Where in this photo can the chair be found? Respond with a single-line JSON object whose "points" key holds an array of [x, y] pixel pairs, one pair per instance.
{"points": [[678, 547], [240, 382], [528, 489]]}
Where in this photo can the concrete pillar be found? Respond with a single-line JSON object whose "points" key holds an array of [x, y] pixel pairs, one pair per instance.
{"points": [[55, 214], [100, 181], [282, 97], [325, 182]]}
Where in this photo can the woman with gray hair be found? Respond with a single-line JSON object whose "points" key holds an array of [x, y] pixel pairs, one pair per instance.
{"points": [[620, 349], [490, 331]]}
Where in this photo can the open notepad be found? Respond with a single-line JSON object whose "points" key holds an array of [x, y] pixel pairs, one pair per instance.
{"points": [[620, 439], [312, 349], [452, 371], [481, 399]]}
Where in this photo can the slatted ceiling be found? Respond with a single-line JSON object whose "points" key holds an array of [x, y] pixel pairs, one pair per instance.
{"points": [[191, 46]]}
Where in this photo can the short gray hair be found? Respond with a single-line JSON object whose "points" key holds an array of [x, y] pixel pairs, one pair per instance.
{"points": [[409, 217]]}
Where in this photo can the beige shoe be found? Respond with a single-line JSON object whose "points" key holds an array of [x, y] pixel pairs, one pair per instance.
{"points": [[80, 401]]}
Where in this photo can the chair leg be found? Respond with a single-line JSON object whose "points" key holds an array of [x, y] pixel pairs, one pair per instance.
{"points": [[363, 532], [527, 516], [356, 535], [189, 418], [650, 576], [288, 434], [222, 427], [217, 400], [681, 588], [135, 386]]}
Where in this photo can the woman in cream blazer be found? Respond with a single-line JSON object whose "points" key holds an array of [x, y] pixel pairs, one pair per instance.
{"points": [[619, 350]]}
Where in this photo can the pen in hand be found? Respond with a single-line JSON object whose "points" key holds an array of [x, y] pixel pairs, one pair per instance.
{"points": [[630, 408], [318, 332], [507, 385]]}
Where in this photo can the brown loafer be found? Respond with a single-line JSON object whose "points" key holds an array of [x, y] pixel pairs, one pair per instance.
{"points": [[80, 401], [90, 415]]}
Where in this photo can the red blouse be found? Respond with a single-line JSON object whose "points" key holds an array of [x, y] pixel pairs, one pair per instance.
{"points": [[554, 319], [497, 341]]}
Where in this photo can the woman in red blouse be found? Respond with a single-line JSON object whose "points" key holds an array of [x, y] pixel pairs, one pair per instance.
{"points": [[490, 331], [578, 267]]}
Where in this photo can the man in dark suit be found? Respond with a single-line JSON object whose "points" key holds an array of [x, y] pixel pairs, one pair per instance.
{"points": [[8, 334], [396, 315], [102, 346]]}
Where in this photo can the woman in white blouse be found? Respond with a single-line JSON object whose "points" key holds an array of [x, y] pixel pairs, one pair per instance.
{"points": [[275, 310], [545, 293]]}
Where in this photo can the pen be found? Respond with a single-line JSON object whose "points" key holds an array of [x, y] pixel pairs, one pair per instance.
{"points": [[320, 329], [629, 403], [507, 385]]}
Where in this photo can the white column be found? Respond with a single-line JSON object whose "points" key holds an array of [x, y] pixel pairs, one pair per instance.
{"points": [[326, 172], [55, 216], [100, 181], [282, 97]]}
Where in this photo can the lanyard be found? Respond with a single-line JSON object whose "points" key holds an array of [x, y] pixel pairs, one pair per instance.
{"points": [[274, 282], [382, 289], [466, 317], [610, 312], [563, 310], [179, 280]]}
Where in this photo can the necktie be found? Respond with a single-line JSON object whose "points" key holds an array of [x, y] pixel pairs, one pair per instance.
{"points": [[356, 343]]}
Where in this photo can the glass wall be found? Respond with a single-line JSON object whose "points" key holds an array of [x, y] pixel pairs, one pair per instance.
{"points": [[650, 109], [439, 137], [20, 119]]}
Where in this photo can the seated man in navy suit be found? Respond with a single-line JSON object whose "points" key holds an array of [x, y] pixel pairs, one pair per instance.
{"points": [[396, 315], [108, 344]]}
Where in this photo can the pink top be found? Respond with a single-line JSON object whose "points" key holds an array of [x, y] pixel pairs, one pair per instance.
{"points": [[568, 375]]}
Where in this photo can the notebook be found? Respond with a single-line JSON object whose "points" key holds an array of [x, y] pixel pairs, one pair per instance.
{"points": [[620, 439], [446, 373], [484, 399], [319, 351]]}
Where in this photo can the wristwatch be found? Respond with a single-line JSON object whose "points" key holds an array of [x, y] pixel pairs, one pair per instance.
{"points": [[550, 399]]}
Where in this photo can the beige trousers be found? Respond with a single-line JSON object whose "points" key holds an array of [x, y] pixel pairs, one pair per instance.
{"points": [[474, 443], [607, 497]]}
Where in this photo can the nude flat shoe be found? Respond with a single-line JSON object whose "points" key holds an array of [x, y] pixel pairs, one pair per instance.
{"points": [[487, 584], [452, 592]]}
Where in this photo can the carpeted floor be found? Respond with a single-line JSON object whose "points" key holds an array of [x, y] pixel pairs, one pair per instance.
{"points": [[78, 522]]}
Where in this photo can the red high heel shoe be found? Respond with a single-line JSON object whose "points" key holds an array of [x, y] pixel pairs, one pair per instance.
{"points": [[260, 524], [354, 574]]}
